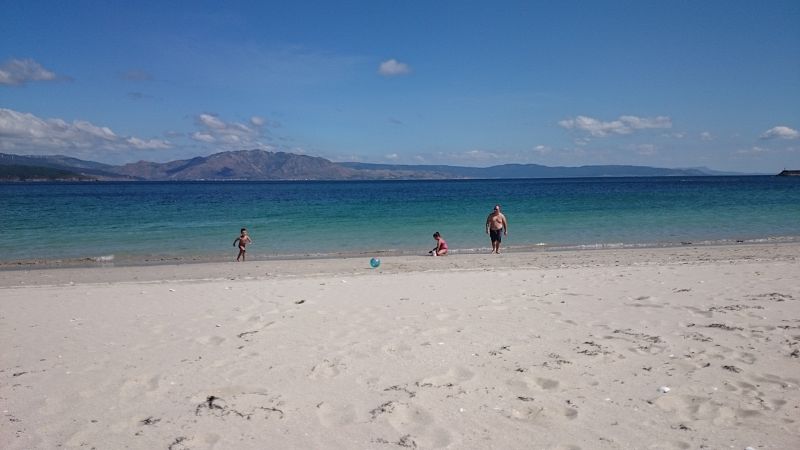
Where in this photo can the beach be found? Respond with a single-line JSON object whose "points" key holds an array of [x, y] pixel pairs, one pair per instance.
{"points": [[662, 348]]}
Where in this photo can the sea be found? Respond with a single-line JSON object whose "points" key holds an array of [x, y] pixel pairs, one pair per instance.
{"points": [[151, 222]]}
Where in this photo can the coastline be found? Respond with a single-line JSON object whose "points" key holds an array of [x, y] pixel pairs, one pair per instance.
{"points": [[111, 261], [540, 258], [672, 347]]}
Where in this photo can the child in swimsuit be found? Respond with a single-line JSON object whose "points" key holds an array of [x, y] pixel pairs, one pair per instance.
{"points": [[441, 246], [243, 240]]}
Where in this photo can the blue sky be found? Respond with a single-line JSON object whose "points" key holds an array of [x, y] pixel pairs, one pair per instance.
{"points": [[669, 84]]}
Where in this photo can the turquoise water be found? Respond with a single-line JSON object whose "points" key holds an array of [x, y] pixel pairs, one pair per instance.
{"points": [[153, 221]]}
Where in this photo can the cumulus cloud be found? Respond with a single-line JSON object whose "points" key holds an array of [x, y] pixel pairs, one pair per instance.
{"points": [[542, 149], [203, 137], [781, 132], [706, 136], [25, 132], [623, 125], [392, 68], [17, 72], [147, 144], [214, 130], [211, 122]]}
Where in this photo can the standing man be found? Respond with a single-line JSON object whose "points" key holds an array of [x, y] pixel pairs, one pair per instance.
{"points": [[496, 227]]}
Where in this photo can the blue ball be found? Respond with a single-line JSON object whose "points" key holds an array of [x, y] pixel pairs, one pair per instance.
{"points": [[374, 262]]}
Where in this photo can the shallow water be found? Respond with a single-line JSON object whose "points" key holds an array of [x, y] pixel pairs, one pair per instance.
{"points": [[199, 220]]}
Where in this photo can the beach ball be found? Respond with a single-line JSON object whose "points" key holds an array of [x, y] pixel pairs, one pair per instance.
{"points": [[374, 262]]}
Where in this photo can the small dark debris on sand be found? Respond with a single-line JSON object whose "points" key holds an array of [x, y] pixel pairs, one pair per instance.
{"points": [[594, 350], [795, 353], [210, 404], [218, 408], [733, 308], [500, 350], [646, 337], [774, 296], [299, 302], [696, 336], [150, 421], [411, 394], [526, 399], [245, 333], [18, 374], [407, 442], [404, 441], [722, 326], [176, 442], [733, 369], [384, 408]]}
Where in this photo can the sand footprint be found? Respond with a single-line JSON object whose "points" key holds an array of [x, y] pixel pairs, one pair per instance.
{"points": [[745, 357], [570, 413], [692, 408], [454, 375], [416, 423], [326, 369], [141, 385], [334, 416], [546, 384], [210, 340], [699, 312], [398, 349]]}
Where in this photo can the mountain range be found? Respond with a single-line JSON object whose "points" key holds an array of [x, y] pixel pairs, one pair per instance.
{"points": [[264, 165]]}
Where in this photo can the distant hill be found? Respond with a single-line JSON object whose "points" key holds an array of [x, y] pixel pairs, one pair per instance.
{"points": [[87, 170], [536, 171], [264, 165], [32, 173], [243, 165]]}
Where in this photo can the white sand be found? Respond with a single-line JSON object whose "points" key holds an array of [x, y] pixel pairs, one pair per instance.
{"points": [[523, 350]]}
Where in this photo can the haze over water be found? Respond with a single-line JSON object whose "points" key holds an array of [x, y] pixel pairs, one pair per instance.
{"points": [[135, 222]]}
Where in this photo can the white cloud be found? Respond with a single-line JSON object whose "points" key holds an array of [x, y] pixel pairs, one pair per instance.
{"points": [[231, 135], [623, 125], [203, 137], [209, 121], [25, 132], [17, 72], [149, 144], [706, 136], [542, 149], [781, 132], [392, 156], [393, 68]]}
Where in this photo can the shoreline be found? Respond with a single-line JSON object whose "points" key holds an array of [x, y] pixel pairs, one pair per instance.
{"points": [[538, 258], [107, 261]]}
